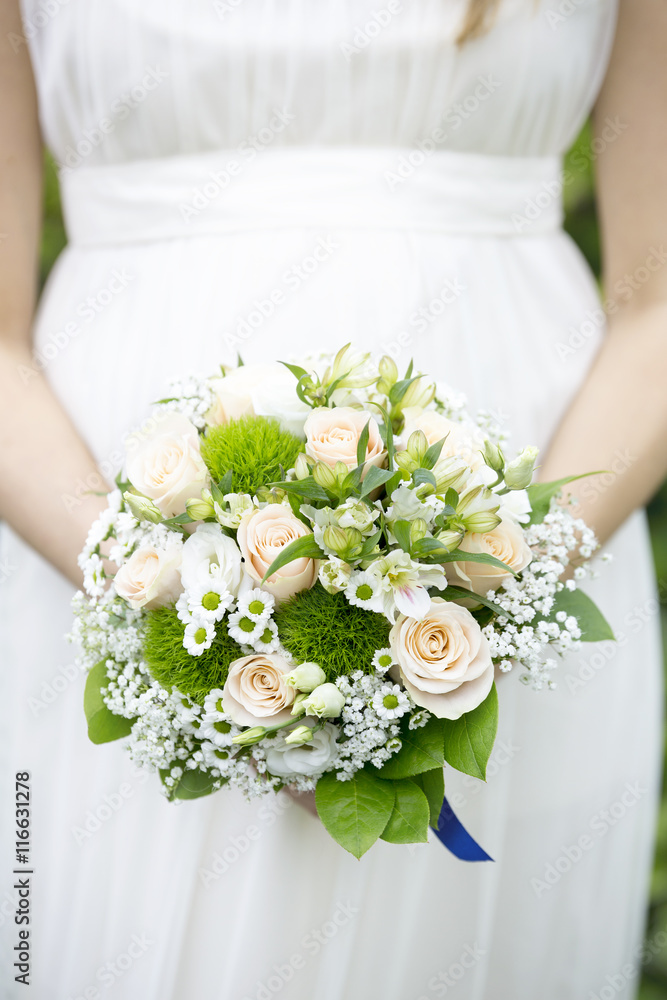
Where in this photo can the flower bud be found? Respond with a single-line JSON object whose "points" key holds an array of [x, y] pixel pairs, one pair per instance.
{"points": [[301, 467], [325, 476], [199, 510], [405, 461], [419, 393], [418, 530], [297, 704], [481, 521], [450, 539], [305, 677], [143, 508], [519, 472], [326, 702], [388, 370], [302, 734], [450, 473], [341, 470], [343, 542], [493, 456], [250, 736], [417, 446]]}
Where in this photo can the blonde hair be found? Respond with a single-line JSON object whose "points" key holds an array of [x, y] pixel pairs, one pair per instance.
{"points": [[479, 16]]}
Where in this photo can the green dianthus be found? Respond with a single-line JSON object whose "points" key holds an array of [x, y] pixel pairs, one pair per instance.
{"points": [[318, 627], [172, 666], [254, 448]]}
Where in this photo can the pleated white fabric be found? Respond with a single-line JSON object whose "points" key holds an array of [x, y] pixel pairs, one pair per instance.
{"points": [[399, 192]]}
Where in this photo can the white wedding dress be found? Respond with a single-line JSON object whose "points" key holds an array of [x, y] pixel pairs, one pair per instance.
{"points": [[270, 178]]}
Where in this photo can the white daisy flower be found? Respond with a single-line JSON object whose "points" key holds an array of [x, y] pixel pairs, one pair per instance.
{"points": [[198, 636], [217, 730], [209, 601], [364, 591], [245, 629], [268, 641], [182, 609], [383, 659], [390, 702], [257, 604]]}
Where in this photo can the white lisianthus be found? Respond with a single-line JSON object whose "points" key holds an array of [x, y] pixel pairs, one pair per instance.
{"points": [[285, 761], [357, 514], [306, 677], [326, 702], [406, 505], [275, 396], [232, 394], [516, 505], [211, 555], [334, 574]]}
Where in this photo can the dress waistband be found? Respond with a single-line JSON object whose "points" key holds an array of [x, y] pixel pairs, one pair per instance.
{"points": [[330, 188]]}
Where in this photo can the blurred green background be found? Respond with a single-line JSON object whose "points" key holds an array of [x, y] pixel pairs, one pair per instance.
{"points": [[581, 223]]}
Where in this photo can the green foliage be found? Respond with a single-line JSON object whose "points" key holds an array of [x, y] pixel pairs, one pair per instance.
{"points": [[171, 664], [593, 624], [421, 750], [469, 740], [355, 812], [193, 784], [324, 628], [103, 725], [254, 448], [408, 823], [432, 784], [304, 547]]}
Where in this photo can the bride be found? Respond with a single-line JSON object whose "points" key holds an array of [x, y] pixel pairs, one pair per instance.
{"points": [[275, 178]]}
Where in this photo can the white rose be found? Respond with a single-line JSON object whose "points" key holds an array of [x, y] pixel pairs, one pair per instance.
{"points": [[444, 660], [164, 463], [325, 701], [150, 578], [275, 396], [461, 441], [233, 393], [506, 542], [285, 761], [255, 692], [211, 555]]}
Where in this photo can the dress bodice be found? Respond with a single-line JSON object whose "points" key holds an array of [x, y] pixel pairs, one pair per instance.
{"points": [[120, 80]]}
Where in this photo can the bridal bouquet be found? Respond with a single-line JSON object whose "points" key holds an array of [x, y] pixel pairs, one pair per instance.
{"points": [[309, 576]]}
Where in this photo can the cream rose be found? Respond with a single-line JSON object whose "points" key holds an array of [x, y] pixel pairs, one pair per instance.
{"points": [[255, 692], [164, 463], [262, 535], [460, 441], [506, 542], [150, 577], [332, 435], [443, 660]]}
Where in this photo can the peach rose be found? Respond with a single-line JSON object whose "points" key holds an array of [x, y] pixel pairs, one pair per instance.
{"points": [[460, 441], [150, 577], [262, 536], [444, 659], [164, 463], [255, 691], [506, 542], [332, 435]]}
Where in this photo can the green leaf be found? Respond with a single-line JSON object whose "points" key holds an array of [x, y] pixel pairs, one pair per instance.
{"points": [[362, 443], [306, 488], [540, 495], [352, 480], [301, 548], [433, 454], [469, 740], [401, 530], [432, 784], [374, 478], [408, 823], [421, 750], [355, 812], [103, 725], [425, 548], [399, 389], [225, 484], [192, 785], [421, 476], [460, 593], [296, 370], [459, 555], [593, 624]]}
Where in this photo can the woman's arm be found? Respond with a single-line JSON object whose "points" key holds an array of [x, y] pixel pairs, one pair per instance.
{"points": [[618, 421], [42, 458]]}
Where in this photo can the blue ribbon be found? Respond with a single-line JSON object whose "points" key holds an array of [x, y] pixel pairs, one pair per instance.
{"points": [[451, 832]]}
